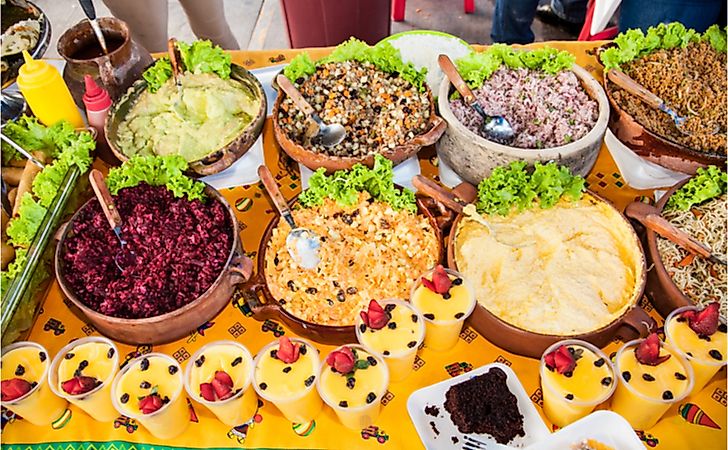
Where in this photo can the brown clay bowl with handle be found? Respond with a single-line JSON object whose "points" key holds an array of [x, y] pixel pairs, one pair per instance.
{"points": [[312, 160], [651, 146], [175, 324], [263, 305], [633, 322]]}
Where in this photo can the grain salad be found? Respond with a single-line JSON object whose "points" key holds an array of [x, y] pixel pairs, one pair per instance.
{"points": [[368, 251], [379, 110]]}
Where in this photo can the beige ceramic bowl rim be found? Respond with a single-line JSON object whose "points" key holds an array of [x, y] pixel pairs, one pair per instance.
{"points": [[420, 327], [677, 348], [190, 362], [316, 370], [53, 372], [466, 283], [594, 349], [125, 369], [42, 379], [595, 134], [684, 362], [380, 363]]}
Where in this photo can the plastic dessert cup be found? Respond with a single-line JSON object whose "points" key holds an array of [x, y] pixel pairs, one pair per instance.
{"points": [[95, 357], [359, 407], [398, 341], [163, 377], [444, 317], [706, 357], [235, 360], [291, 387], [573, 395], [644, 402], [29, 361]]}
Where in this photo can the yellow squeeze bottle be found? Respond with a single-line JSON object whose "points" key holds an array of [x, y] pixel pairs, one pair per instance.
{"points": [[46, 93]]}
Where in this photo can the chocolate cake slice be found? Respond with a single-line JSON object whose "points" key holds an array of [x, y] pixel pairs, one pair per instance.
{"points": [[485, 405]]}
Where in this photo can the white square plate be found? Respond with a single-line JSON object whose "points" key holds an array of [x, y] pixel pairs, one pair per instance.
{"points": [[607, 427], [535, 429]]}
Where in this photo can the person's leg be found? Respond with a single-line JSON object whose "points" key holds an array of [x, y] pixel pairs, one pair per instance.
{"points": [[512, 21], [572, 11], [697, 14], [207, 20], [147, 20]]}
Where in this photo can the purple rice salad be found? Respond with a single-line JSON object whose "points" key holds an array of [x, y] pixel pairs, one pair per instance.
{"points": [[541, 98]]}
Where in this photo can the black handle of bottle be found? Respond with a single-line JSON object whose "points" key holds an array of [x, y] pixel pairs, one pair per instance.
{"points": [[88, 8]]}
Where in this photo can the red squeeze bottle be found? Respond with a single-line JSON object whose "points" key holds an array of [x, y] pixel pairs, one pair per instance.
{"points": [[97, 102]]}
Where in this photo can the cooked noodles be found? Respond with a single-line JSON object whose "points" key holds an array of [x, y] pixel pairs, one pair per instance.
{"points": [[702, 281]]}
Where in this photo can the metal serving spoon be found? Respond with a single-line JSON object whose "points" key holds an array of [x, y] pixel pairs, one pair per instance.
{"points": [[328, 135], [495, 128], [302, 244], [630, 85], [125, 257], [90, 11], [21, 150]]}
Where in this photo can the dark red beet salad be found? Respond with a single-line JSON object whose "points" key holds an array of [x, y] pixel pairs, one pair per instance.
{"points": [[180, 248]]}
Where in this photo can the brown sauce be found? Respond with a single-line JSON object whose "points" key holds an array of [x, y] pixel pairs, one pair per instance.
{"points": [[93, 50]]}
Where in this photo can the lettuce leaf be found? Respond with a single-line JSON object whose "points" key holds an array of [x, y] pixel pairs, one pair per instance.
{"points": [[198, 57], [511, 186], [344, 186], [383, 56], [156, 171], [633, 44], [13, 270], [22, 229], [477, 67], [707, 184]]}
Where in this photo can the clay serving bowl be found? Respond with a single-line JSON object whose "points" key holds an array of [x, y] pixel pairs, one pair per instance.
{"points": [[634, 321], [175, 324], [217, 160], [263, 305], [473, 157], [398, 154], [652, 146]]}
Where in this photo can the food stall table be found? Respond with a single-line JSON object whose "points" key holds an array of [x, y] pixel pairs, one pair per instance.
{"points": [[697, 422]]}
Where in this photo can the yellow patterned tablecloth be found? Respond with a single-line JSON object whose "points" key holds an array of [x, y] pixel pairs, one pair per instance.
{"points": [[697, 423]]}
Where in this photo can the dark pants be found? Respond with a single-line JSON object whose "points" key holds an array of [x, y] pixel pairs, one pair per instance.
{"points": [[696, 14], [512, 19]]}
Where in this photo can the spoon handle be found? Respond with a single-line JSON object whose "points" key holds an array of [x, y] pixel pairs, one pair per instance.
{"points": [[627, 83], [290, 90], [173, 59], [88, 8], [105, 199], [275, 194], [439, 193], [454, 76]]}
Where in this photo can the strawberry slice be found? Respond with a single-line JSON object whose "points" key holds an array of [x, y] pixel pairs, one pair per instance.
{"points": [[14, 388], [341, 360], [207, 392], [648, 352], [561, 360], [222, 390], [374, 317], [79, 385], [705, 322], [224, 378], [287, 351], [150, 403], [440, 282]]}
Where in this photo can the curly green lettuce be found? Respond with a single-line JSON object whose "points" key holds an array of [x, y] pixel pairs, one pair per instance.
{"points": [[477, 67], [32, 135], [198, 57], [23, 228], [707, 184], [512, 186], [382, 55], [156, 171], [634, 44], [13, 270], [344, 186]]}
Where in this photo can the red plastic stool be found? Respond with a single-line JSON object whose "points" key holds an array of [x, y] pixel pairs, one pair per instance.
{"points": [[398, 7]]}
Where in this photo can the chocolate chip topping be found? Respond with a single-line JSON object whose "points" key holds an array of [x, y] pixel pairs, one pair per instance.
{"points": [[599, 362], [667, 395], [385, 353], [236, 361], [569, 374], [715, 354], [680, 376], [415, 318], [42, 356], [372, 361], [411, 344], [722, 328], [457, 281], [145, 385], [110, 353], [351, 382], [648, 377], [263, 386], [19, 371], [362, 328], [69, 355], [392, 325], [429, 316], [200, 361], [309, 381], [606, 381], [389, 307], [569, 396], [274, 354], [144, 365], [124, 398], [343, 404], [286, 369], [371, 397], [446, 296], [627, 376], [459, 315], [172, 369], [303, 349]]}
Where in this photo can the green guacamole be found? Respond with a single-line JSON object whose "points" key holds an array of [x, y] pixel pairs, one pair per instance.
{"points": [[209, 114]]}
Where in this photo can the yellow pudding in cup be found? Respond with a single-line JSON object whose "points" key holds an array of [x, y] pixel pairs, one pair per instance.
{"points": [[149, 390], [705, 353], [82, 373], [394, 330], [287, 378], [352, 383], [646, 392], [444, 312], [572, 389], [219, 375], [25, 390]]}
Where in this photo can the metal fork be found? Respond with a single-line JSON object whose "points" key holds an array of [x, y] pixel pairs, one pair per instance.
{"points": [[474, 444]]}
